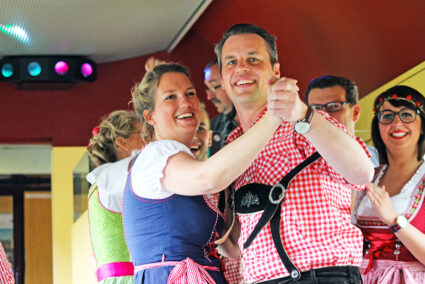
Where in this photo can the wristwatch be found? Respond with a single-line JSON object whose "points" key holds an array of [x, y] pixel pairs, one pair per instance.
{"points": [[401, 222], [303, 126]]}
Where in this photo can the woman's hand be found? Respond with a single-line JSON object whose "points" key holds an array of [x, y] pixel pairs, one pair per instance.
{"points": [[410, 236], [382, 203], [283, 100], [151, 62]]}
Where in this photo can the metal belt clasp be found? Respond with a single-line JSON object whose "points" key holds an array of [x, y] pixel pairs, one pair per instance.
{"points": [[282, 188]]}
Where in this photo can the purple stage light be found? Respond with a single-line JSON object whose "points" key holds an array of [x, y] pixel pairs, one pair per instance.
{"points": [[61, 67], [86, 70]]}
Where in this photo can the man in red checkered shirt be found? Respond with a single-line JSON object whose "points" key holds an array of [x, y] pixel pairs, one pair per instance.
{"points": [[310, 239]]}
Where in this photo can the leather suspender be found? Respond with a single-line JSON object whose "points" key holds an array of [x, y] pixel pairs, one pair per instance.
{"points": [[244, 199]]}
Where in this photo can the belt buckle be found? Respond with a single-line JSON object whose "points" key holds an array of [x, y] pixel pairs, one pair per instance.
{"points": [[277, 201]]}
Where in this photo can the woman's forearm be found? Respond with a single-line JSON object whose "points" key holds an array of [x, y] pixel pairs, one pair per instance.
{"points": [[414, 240], [187, 176]]}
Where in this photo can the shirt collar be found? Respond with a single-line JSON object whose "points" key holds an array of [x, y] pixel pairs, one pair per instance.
{"points": [[238, 130]]}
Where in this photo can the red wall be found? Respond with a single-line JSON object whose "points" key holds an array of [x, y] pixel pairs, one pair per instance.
{"points": [[65, 118], [370, 42]]}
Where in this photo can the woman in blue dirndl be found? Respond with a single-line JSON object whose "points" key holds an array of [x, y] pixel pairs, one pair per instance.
{"points": [[170, 228]]}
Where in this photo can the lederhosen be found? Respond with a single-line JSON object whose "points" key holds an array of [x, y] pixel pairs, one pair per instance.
{"points": [[255, 197]]}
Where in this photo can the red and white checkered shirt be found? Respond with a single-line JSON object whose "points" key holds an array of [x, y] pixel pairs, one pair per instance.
{"points": [[315, 225], [233, 267], [6, 275]]}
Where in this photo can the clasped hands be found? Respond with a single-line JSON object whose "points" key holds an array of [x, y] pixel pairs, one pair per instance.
{"points": [[284, 100]]}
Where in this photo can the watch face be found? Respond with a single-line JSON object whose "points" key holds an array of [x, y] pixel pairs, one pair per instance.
{"points": [[402, 221], [302, 127]]}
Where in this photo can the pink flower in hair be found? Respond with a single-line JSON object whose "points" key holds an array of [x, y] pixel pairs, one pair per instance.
{"points": [[95, 131]]}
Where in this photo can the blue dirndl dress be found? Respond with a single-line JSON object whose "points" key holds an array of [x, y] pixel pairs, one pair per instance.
{"points": [[162, 234]]}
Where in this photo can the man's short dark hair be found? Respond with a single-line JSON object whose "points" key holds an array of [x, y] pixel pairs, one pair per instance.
{"points": [[329, 81], [248, 29]]}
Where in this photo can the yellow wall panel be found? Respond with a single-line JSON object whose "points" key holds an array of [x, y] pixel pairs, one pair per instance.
{"points": [[64, 160]]}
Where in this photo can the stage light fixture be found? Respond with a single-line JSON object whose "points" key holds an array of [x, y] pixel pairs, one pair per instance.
{"points": [[47, 72], [34, 68], [86, 70], [61, 68], [7, 70]]}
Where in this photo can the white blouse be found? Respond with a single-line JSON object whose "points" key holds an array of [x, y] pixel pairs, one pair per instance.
{"points": [[148, 169], [111, 179]]}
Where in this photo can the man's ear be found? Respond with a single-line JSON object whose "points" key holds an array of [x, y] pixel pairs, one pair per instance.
{"points": [[356, 112], [276, 69], [147, 115]]}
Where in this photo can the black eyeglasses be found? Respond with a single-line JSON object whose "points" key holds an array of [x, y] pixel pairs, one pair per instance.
{"points": [[330, 107], [406, 115]]}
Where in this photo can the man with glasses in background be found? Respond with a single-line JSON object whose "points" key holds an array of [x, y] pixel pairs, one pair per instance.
{"points": [[226, 121], [338, 96]]}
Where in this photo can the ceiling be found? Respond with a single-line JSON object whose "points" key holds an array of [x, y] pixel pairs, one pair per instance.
{"points": [[105, 30]]}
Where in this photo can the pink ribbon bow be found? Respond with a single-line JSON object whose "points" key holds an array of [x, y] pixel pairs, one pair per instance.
{"points": [[188, 272]]}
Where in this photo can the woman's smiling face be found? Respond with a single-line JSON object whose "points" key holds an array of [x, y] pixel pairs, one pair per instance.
{"points": [[176, 112], [399, 135]]}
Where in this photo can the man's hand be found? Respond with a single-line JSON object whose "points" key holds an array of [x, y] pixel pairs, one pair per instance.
{"points": [[284, 101]]}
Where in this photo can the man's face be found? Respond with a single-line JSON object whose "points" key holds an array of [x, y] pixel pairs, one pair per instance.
{"points": [[215, 92], [348, 115], [246, 68]]}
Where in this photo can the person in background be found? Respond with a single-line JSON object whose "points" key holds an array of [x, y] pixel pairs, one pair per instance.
{"points": [[391, 214], [339, 97], [203, 136], [111, 150], [227, 120], [151, 62], [6, 274], [293, 201], [170, 226]]}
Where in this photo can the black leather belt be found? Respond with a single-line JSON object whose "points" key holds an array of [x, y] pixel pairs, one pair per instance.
{"points": [[254, 197], [348, 272]]}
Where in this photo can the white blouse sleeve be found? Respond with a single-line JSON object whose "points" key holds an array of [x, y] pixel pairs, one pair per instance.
{"points": [[111, 179], [148, 169]]}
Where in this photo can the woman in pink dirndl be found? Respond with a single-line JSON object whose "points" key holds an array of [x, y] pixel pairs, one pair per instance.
{"points": [[391, 213]]}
